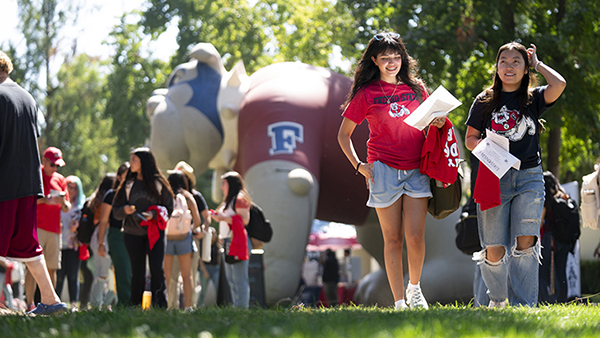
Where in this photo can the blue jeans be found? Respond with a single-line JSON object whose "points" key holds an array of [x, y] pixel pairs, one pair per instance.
{"points": [[516, 275], [213, 273], [70, 270], [239, 281]]}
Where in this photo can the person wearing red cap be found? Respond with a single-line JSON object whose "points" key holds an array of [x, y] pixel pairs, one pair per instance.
{"points": [[21, 186], [55, 199]]}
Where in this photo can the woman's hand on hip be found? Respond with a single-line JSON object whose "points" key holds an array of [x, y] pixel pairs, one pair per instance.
{"points": [[366, 169]]}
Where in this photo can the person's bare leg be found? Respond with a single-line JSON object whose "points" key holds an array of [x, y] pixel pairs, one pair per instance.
{"points": [[168, 266], [415, 213], [185, 263], [52, 274], [39, 272], [29, 286], [390, 219]]}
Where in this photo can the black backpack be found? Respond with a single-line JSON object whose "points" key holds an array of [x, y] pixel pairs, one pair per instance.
{"points": [[565, 220], [467, 230], [259, 226], [86, 224]]}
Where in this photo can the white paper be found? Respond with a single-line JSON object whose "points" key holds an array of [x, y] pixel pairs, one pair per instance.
{"points": [[494, 153], [439, 103]]}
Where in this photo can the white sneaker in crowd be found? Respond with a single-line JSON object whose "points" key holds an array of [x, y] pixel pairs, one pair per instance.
{"points": [[401, 305], [497, 305]]}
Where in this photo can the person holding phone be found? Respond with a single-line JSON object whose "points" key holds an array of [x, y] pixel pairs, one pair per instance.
{"points": [[49, 208], [139, 199], [236, 204]]}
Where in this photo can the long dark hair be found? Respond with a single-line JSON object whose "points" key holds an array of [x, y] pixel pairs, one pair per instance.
{"points": [[366, 71], [150, 173], [552, 186], [122, 168], [108, 181], [236, 185], [178, 181], [492, 95]]}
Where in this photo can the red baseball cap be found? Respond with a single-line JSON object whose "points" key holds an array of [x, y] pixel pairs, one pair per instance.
{"points": [[54, 155]]}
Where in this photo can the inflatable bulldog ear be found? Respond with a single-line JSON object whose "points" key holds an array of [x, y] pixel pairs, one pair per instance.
{"points": [[234, 86], [233, 90], [207, 53]]}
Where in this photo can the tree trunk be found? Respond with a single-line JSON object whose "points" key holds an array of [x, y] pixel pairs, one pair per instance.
{"points": [[553, 145]]}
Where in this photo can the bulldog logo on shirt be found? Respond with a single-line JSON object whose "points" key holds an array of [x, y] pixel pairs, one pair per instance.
{"points": [[506, 123], [397, 110]]}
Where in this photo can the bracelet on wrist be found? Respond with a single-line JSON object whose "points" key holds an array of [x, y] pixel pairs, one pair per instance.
{"points": [[357, 167], [536, 65]]}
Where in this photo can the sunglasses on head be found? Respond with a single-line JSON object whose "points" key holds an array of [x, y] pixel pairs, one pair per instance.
{"points": [[381, 36]]}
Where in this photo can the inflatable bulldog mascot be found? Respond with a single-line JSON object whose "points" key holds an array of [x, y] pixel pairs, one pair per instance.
{"points": [[278, 129]]}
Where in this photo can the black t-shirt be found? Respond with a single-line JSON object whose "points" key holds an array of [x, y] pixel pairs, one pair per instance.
{"points": [[108, 199], [200, 202], [520, 128], [20, 169]]}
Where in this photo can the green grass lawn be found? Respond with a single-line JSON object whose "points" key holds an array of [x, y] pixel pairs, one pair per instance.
{"points": [[439, 321]]}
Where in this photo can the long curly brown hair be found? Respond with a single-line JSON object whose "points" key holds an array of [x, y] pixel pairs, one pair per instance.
{"points": [[366, 71]]}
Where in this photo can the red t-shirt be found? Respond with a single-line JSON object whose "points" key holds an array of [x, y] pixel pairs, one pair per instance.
{"points": [[441, 158], [48, 216], [391, 141]]}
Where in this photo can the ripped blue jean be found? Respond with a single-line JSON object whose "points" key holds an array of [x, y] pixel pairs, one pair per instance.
{"points": [[516, 275]]}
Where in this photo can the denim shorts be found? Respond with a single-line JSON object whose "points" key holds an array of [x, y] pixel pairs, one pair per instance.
{"points": [[182, 247], [390, 184]]}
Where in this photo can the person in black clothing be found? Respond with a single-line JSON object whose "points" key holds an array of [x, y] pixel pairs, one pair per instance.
{"points": [[553, 271], [331, 277], [21, 186], [113, 243], [145, 198]]}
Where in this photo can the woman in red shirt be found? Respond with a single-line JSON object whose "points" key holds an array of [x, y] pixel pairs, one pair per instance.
{"points": [[386, 91]]}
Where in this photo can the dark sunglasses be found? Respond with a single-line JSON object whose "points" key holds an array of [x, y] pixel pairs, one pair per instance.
{"points": [[381, 36], [54, 165]]}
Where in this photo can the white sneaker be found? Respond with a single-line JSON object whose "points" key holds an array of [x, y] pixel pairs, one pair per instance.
{"points": [[401, 307], [415, 299], [497, 305]]}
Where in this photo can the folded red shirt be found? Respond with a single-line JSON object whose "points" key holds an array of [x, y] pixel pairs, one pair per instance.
{"points": [[239, 239], [440, 156], [156, 224], [487, 188]]}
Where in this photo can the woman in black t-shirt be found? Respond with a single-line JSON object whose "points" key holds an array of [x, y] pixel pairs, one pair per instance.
{"points": [[113, 242], [509, 232]]}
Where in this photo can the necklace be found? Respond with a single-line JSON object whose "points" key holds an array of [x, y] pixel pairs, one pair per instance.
{"points": [[389, 98]]}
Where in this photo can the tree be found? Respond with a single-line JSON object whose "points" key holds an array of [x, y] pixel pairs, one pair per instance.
{"points": [[235, 28], [41, 22], [260, 33], [132, 79], [78, 127]]}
